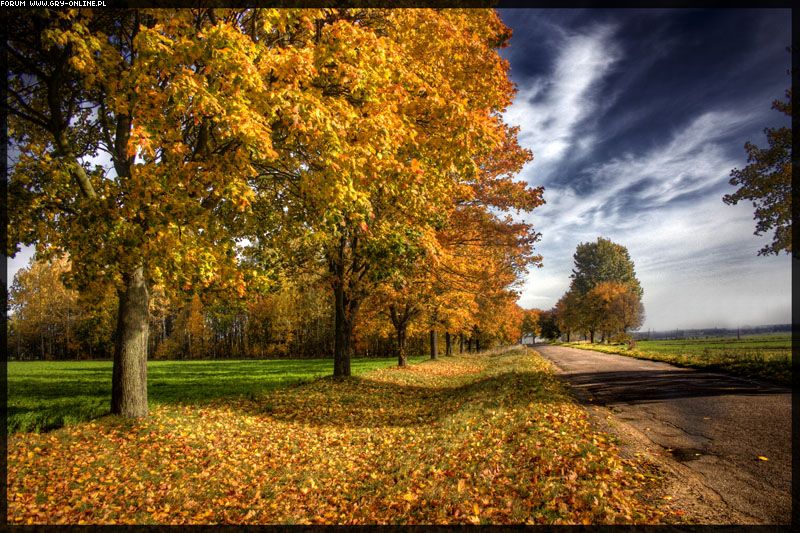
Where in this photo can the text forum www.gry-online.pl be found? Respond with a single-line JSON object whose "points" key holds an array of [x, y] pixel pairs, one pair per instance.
{"points": [[52, 3]]}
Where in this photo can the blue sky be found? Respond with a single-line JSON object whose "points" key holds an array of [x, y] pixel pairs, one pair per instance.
{"points": [[636, 118]]}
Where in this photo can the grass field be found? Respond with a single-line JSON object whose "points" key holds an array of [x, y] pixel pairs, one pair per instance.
{"points": [[48, 395], [763, 356], [493, 438]]}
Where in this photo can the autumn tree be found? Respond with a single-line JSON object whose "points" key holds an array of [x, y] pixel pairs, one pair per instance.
{"points": [[568, 314], [767, 182], [134, 134], [604, 272], [54, 321], [612, 308], [44, 311], [530, 322], [398, 108], [627, 307], [599, 261]]}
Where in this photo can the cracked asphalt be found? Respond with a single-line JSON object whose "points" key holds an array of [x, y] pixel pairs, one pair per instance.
{"points": [[713, 426]]}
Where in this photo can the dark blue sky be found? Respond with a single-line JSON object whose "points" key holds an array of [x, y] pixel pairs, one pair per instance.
{"points": [[636, 118]]}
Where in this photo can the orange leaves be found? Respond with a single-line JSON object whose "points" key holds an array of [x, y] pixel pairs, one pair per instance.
{"points": [[504, 445]]}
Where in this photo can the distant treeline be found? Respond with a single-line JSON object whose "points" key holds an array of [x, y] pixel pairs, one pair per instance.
{"points": [[712, 332]]}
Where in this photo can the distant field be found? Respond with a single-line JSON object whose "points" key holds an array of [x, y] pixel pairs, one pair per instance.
{"points": [[765, 356], [47, 395]]}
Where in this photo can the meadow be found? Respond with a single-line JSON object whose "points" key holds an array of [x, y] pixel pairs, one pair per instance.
{"points": [[493, 438], [766, 356], [44, 395]]}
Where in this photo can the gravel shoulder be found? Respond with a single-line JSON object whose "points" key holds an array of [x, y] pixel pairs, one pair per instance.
{"points": [[710, 433]]}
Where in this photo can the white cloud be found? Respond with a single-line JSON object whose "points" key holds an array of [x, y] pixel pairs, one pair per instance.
{"points": [[694, 255], [550, 110]]}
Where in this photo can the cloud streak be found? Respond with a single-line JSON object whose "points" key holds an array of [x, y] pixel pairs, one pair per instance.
{"points": [[660, 196], [551, 109]]}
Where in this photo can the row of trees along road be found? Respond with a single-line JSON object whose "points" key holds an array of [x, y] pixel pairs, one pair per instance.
{"points": [[604, 297], [222, 152], [50, 321]]}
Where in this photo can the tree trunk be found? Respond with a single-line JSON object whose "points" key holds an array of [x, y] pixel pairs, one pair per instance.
{"points": [[448, 343], [129, 381], [477, 345], [591, 336], [402, 360], [434, 344], [343, 334], [460, 343]]}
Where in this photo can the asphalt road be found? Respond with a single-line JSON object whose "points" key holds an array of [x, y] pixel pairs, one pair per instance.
{"points": [[715, 426]]}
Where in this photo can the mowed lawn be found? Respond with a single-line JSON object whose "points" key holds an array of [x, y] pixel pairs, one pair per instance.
{"points": [[766, 356], [49, 395], [490, 438]]}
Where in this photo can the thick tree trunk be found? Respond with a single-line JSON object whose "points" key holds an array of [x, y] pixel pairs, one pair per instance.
{"points": [[477, 345], [129, 381], [434, 344], [460, 343], [448, 343], [343, 334], [591, 336]]}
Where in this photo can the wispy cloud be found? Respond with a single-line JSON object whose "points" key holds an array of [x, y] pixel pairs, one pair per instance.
{"points": [[617, 194], [550, 109], [665, 206]]}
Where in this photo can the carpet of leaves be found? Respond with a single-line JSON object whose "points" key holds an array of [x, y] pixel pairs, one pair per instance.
{"points": [[491, 438]]}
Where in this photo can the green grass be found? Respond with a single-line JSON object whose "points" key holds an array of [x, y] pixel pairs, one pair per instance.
{"points": [[48, 395], [763, 356]]}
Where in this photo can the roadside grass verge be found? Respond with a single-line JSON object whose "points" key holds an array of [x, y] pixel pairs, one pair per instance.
{"points": [[44, 395], [493, 438], [765, 356]]}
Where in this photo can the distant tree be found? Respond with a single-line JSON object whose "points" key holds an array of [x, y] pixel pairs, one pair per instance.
{"points": [[568, 314], [613, 308], [767, 182], [628, 308], [49, 320], [603, 260], [44, 310], [530, 322], [549, 326], [605, 295]]}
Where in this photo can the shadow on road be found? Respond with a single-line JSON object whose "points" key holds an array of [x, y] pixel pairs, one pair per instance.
{"points": [[637, 386]]}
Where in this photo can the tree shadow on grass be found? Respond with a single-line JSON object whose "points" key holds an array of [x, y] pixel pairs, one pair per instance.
{"points": [[366, 403], [45, 398]]}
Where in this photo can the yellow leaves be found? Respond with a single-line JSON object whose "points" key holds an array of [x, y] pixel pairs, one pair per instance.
{"points": [[229, 462], [762, 458]]}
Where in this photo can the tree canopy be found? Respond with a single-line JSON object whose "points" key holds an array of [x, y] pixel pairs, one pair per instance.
{"points": [[599, 261], [210, 154], [605, 296]]}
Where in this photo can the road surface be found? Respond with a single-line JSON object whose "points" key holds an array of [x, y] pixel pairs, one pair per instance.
{"points": [[708, 429]]}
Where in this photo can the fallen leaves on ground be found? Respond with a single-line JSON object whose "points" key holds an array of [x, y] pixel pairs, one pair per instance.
{"points": [[490, 438]]}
